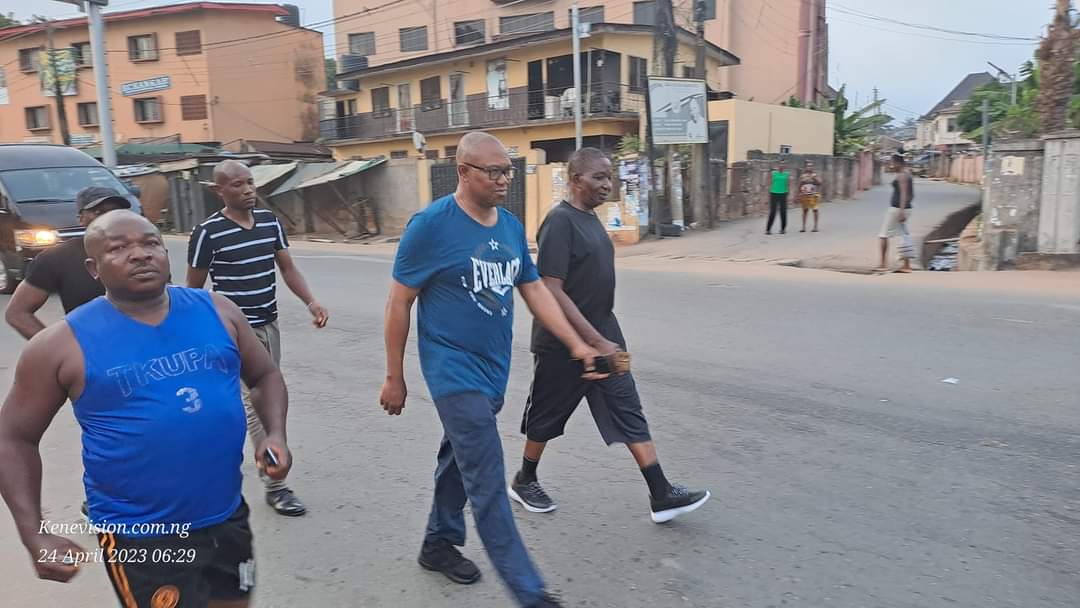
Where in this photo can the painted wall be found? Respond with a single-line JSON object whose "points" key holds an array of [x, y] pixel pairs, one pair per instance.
{"points": [[765, 127], [241, 77]]}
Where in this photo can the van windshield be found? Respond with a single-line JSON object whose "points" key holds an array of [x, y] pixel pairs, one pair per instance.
{"points": [[56, 184]]}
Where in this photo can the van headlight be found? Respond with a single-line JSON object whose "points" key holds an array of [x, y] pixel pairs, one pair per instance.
{"points": [[36, 238]]}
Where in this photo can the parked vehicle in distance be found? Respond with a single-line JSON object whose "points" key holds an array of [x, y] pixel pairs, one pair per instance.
{"points": [[38, 184]]}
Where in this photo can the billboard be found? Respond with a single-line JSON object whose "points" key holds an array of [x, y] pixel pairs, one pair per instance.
{"points": [[59, 65], [677, 111]]}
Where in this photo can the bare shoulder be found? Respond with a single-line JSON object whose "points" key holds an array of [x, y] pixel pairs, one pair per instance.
{"points": [[54, 352]]}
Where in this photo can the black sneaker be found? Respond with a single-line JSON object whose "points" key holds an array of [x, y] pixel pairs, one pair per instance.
{"points": [[285, 503], [678, 501], [442, 556], [531, 496], [548, 601]]}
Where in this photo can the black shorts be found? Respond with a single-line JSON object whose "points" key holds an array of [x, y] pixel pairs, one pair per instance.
{"points": [[214, 563], [558, 388]]}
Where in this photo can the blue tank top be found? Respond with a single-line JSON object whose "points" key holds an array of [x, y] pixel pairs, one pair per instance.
{"points": [[162, 420]]}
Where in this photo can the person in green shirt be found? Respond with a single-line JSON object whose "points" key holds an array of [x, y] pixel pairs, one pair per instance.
{"points": [[778, 195]]}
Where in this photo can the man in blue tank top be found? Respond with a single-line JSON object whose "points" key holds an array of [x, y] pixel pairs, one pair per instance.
{"points": [[153, 373]]}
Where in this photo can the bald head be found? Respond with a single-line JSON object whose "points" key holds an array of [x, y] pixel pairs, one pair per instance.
{"points": [[235, 185], [100, 230], [477, 146], [228, 170]]}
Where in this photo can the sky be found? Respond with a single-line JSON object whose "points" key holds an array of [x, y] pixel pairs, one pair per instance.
{"points": [[912, 68]]}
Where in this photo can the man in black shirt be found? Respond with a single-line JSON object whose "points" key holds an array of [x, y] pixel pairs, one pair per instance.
{"points": [[576, 260], [62, 269], [239, 247]]}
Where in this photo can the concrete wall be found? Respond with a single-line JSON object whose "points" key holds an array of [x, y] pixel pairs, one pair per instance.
{"points": [[766, 127], [1059, 215], [399, 189], [749, 182], [1011, 196]]}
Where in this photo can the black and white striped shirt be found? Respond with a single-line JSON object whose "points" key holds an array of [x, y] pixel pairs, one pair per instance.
{"points": [[241, 261]]}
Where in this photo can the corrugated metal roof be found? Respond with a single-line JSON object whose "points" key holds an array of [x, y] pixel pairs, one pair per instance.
{"points": [[347, 169], [265, 174], [314, 174]]}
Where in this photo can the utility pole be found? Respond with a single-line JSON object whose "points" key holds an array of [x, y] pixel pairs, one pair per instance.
{"points": [[58, 88], [986, 128], [575, 26], [665, 17], [701, 163], [811, 57], [101, 75], [1011, 78], [877, 109]]}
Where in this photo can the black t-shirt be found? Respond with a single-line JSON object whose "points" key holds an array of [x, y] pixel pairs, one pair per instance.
{"points": [[574, 246], [62, 270]]}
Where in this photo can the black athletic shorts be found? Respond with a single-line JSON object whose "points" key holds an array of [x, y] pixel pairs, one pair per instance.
{"points": [[558, 388], [214, 563]]}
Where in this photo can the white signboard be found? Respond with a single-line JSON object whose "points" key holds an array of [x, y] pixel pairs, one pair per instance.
{"points": [[138, 87], [678, 112], [4, 98]]}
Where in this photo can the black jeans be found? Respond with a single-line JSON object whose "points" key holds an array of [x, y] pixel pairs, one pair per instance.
{"points": [[777, 204]]}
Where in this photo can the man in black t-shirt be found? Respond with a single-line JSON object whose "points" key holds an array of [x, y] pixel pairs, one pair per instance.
{"points": [[62, 269], [576, 260]]}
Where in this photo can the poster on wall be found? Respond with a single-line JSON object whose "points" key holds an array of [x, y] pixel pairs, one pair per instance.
{"points": [[4, 98], [498, 91], [678, 112], [59, 66]]}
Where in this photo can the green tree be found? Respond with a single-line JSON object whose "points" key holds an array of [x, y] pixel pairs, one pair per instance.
{"points": [[1008, 119], [853, 131], [331, 73], [8, 20]]}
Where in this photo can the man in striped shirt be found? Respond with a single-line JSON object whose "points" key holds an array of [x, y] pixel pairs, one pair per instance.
{"points": [[239, 247]]}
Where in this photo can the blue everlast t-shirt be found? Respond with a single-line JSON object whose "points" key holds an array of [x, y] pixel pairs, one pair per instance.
{"points": [[466, 274]]}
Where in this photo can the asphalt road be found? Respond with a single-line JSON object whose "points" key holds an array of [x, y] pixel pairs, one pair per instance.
{"points": [[845, 473]]}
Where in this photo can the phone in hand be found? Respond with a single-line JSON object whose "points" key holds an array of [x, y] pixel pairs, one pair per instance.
{"points": [[271, 458]]}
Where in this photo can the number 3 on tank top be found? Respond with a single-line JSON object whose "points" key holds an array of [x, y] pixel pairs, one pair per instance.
{"points": [[192, 397]]}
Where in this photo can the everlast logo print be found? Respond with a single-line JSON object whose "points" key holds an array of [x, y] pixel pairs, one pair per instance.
{"points": [[493, 275], [133, 375]]}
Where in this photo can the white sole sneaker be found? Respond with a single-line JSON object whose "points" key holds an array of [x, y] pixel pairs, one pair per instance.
{"points": [[514, 495], [670, 514]]}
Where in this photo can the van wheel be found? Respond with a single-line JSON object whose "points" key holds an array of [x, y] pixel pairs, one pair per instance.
{"points": [[7, 285]]}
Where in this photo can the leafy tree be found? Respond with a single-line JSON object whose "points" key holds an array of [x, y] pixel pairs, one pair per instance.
{"points": [[8, 20], [1057, 56], [331, 73], [853, 131]]}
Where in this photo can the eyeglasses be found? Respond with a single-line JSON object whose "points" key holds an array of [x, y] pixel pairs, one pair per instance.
{"points": [[494, 173]]}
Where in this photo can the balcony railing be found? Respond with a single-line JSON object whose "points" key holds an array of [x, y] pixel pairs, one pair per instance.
{"points": [[518, 107]]}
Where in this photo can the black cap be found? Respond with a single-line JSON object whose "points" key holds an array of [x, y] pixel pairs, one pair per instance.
{"points": [[91, 197]]}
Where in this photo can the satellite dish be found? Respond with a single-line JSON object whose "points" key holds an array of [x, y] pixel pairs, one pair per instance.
{"points": [[418, 141]]}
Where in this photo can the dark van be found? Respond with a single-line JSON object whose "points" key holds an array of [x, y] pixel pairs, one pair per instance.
{"points": [[38, 184]]}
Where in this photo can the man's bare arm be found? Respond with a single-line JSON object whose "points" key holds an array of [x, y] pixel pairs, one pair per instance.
{"points": [[196, 277], [298, 285], [34, 399], [577, 320], [546, 309], [22, 309], [395, 335]]}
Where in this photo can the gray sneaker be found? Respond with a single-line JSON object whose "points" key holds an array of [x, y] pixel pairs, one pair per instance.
{"points": [[531, 496]]}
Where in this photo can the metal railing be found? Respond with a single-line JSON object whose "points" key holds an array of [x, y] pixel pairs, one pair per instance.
{"points": [[517, 107]]}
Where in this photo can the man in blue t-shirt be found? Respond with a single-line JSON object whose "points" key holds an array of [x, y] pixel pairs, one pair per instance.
{"points": [[462, 257]]}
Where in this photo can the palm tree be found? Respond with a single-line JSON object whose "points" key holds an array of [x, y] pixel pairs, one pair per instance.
{"points": [[853, 132], [1056, 57]]}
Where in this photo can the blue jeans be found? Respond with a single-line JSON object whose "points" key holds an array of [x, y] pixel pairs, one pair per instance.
{"points": [[470, 467]]}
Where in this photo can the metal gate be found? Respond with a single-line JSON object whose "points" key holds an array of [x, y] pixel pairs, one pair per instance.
{"points": [[444, 180]]}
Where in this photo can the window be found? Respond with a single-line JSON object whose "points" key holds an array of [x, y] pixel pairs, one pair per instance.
{"points": [[950, 126], [143, 48], [148, 109], [189, 43], [588, 14], [639, 74], [469, 32], [498, 92], [687, 71], [785, 149], [519, 24], [37, 118], [80, 52], [193, 107], [346, 108], [645, 13], [29, 60], [431, 93], [450, 152], [88, 114], [431, 154], [399, 154], [362, 44], [380, 102], [710, 10], [413, 39]]}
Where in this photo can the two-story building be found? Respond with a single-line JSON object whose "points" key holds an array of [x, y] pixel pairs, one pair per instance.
{"points": [[938, 128], [199, 72], [783, 45], [519, 88]]}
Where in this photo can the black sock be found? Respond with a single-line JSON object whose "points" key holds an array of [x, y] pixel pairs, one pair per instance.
{"points": [[658, 484], [528, 470]]}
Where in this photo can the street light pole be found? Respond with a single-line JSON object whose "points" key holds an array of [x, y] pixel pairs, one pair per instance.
{"points": [[575, 25], [92, 8], [1012, 79]]}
